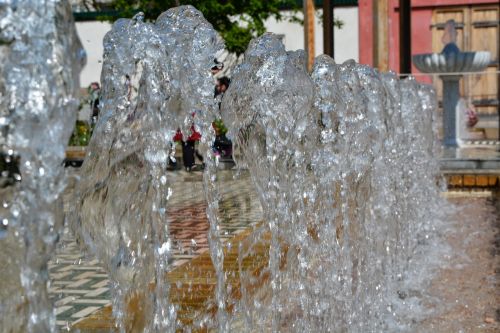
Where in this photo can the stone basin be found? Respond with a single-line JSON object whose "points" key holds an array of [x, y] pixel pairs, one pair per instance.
{"points": [[452, 62]]}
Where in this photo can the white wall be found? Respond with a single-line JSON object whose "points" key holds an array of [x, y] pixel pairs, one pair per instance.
{"points": [[346, 38], [92, 34]]}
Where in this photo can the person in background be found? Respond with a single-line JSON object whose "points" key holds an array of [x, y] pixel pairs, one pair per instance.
{"points": [[221, 86], [217, 67], [222, 145], [189, 150], [94, 94]]}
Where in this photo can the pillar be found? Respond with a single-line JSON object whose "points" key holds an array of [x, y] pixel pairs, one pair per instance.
{"points": [[328, 28], [309, 31], [451, 96]]}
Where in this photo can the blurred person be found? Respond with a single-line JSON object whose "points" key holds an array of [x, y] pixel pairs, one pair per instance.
{"points": [[223, 147], [189, 150], [221, 86], [94, 91], [217, 67]]}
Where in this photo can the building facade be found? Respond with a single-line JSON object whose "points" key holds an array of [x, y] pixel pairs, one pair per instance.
{"points": [[477, 23]]}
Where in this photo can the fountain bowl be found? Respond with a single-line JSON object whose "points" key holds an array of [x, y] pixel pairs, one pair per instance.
{"points": [[452, 62]]}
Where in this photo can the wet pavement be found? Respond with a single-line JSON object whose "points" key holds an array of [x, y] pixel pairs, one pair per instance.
{"points": [[79, 286], [467, 282]]}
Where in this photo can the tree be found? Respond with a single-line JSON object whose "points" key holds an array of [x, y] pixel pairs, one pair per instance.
{"points": [[238, 21]]}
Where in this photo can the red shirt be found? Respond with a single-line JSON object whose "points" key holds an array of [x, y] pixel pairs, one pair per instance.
{"points": [[195, 136]]}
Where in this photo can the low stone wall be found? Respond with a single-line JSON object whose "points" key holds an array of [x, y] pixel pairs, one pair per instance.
{"points": [[470, 181]]}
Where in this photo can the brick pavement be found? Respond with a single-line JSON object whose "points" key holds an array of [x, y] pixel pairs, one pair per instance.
{"points": [[80, 286]]}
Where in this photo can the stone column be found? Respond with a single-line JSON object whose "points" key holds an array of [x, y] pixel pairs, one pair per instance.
{"points": [[451, 96]]}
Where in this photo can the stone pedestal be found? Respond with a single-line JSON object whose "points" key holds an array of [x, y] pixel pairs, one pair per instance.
{"points": [[447, 63], [451, 96]]}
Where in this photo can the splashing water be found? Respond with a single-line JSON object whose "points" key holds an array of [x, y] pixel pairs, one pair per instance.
{"points": [[343, 162], [41, 60], [342, 159], [155, 76]]}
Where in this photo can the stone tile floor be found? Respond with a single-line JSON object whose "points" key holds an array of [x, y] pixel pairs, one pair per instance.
{"points": [[79, 286]]}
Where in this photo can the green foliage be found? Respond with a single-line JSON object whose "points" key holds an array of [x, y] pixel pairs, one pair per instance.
{"points": [[336, 21], [219, 127], [81, 134], [238, 21]]}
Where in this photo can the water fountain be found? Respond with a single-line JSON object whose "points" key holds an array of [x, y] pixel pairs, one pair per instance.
{"points": [[41, 60], [450, 63], [342, 159], [154, 76], [318, 147]]}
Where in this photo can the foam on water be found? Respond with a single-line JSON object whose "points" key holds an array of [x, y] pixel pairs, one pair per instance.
{"points": [[41, 58]]}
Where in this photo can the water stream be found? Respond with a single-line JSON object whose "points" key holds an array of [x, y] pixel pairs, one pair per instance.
{"points": [[342, 158], [41, 58], [155, 77]]}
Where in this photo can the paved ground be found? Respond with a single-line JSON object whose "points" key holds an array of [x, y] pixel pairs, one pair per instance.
{"points": [[469, 284], [80, 286]]}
